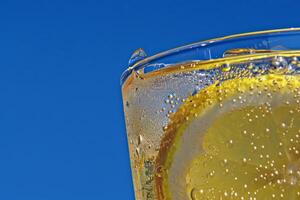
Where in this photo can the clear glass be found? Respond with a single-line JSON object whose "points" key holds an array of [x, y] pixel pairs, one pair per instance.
{"points": [[178, 115]]}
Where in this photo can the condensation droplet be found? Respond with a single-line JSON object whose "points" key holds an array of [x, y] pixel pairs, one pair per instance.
{"points": [[140, 139], [137, 55]]}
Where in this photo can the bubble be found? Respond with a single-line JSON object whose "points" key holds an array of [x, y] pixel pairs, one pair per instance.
{"points": [[165, 128], [230, 143], [294, 60], [226, 68], [212, 173], [279, 65], [159, 171], [170, 96], [250, 66]]}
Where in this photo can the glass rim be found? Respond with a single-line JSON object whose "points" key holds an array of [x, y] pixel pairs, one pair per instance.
{"points": [[203, 43]]}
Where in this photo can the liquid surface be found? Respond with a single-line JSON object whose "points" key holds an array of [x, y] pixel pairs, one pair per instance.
{"points": [[234, 133]]}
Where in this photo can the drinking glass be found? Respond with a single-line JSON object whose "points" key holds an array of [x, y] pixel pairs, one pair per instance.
{"points": [[216, 119]]}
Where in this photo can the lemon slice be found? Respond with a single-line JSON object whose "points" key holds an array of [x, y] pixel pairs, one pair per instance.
{"points": [[239, 139]]}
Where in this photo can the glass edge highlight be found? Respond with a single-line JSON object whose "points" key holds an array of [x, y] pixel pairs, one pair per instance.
{"points": [[203, 43]]}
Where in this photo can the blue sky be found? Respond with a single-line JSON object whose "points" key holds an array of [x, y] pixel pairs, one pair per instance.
{"points": [[62, 133]]}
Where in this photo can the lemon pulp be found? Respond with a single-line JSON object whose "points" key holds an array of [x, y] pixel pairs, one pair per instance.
{"points": [[239, 139]]}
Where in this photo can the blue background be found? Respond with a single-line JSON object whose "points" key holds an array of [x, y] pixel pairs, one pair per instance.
{"points": [[62, 133]]}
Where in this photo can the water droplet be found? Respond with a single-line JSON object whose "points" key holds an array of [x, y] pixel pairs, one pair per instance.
{"points": [[137, 55], [140, 139], [137, 151]]}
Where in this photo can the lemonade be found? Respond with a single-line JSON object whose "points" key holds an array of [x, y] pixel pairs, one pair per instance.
{"points": [[225, 128]]}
